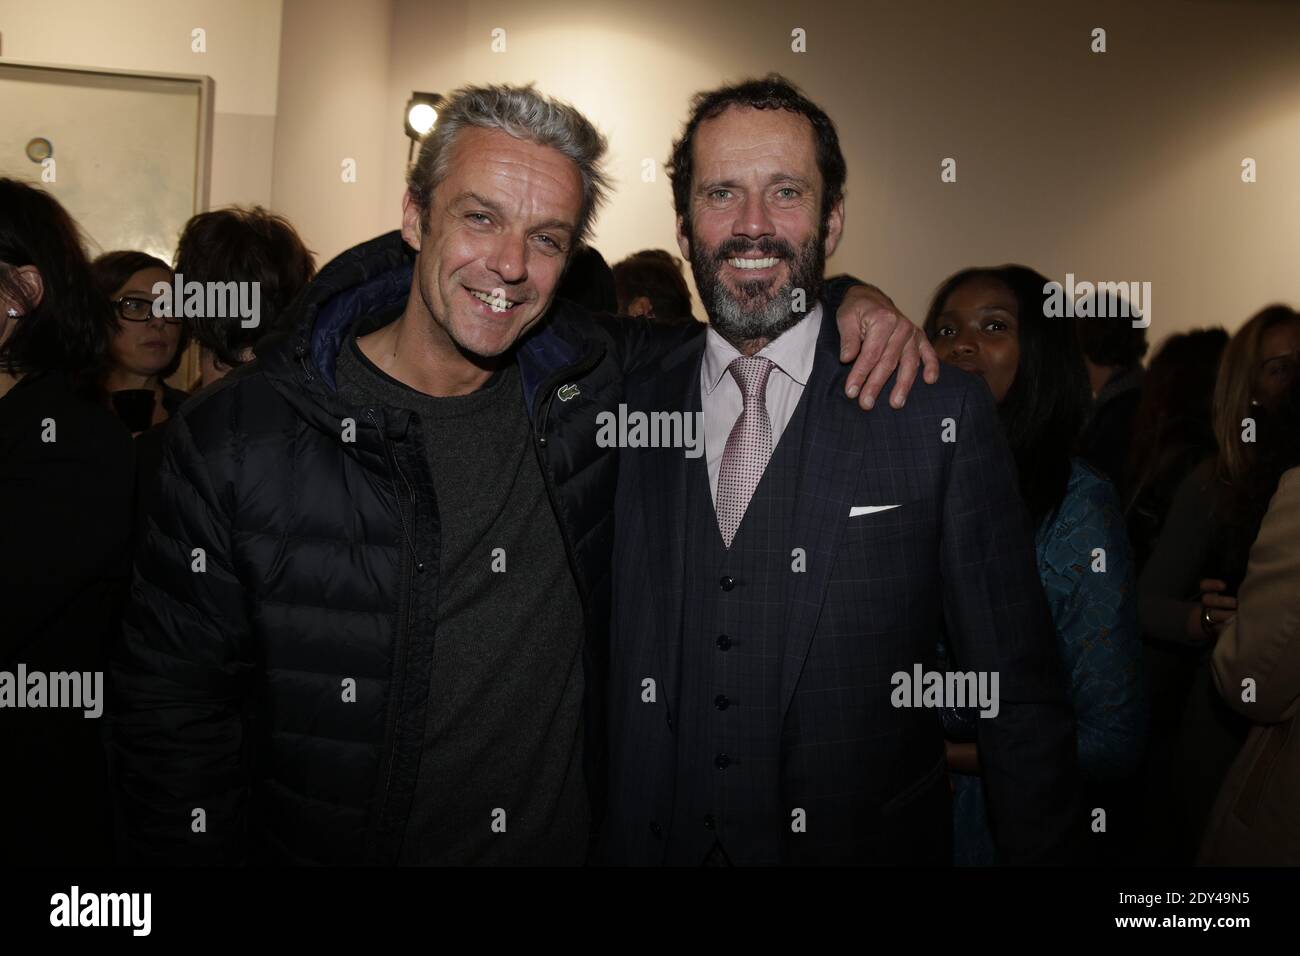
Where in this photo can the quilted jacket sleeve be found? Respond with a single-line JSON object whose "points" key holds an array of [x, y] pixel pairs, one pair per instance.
{"points": [[181, 675]]}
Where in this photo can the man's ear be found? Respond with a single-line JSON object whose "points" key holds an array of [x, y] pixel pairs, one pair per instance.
{"points": [[412, 221], [834, 228], [683, 242], [33, 286]]}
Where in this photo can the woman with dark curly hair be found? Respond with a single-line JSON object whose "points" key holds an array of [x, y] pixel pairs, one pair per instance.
{"points": [[65, 511]]}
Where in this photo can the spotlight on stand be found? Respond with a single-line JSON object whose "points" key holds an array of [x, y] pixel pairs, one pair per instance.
{"points": [[421, 115]]}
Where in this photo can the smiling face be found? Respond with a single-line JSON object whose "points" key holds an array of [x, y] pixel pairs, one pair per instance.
{"points": [[755, 229], [144, 348], [978, 329], [499, 229]]}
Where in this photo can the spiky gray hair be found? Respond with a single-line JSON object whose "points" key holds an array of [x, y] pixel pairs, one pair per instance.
{"points": [[525, 114]]}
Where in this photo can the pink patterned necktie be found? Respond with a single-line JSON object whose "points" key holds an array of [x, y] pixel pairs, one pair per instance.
{"points": [[749, 446]]}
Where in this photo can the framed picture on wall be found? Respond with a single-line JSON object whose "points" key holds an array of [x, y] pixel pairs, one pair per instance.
{"points": [[127, 154]]}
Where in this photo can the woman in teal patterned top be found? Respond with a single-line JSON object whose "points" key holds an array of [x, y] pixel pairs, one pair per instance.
{"points": [[992, 323]]}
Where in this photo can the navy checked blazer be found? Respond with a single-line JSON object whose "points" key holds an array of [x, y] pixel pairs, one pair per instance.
{"points": [[955, 558]]}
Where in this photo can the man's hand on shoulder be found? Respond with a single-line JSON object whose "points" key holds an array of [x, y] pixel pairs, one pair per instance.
{"points": [[878, 339]]}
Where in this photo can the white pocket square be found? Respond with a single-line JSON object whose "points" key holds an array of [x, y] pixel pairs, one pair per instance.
{"points": [[869, 509]]}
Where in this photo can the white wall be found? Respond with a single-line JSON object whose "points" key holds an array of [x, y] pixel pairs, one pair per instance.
{"points": [[333, 106], [127, 186], [1118, 166], [243, 49]]}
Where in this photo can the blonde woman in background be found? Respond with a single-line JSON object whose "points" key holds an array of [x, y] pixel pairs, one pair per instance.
{"points": [[1256, 821], [1187, 591]]}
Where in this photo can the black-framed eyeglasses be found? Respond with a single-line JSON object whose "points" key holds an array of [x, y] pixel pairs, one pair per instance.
{"points": [[134, 309]]}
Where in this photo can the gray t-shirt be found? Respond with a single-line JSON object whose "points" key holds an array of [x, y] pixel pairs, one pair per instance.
{"points": [[504, 726]]}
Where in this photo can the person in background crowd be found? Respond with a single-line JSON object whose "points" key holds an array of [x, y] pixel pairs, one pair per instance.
{"points": [[146, 348], [991, 322], [1186, 591], [1256, 662], [1173, 431], [241, 245], [65, 506], [228, 245], [588, 281], [650, 284], [1112, 351]]}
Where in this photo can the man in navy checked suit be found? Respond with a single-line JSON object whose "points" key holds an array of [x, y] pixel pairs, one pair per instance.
{"points": [[767, 592]]}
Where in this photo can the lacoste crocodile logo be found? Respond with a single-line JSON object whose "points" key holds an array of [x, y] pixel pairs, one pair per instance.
{"points": [[567, 392]]}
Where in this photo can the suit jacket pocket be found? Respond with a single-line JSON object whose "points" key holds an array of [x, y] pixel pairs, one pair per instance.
{"points": [[908, 516]]}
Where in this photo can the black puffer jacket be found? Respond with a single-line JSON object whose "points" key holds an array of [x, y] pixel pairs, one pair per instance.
{"points": [[278, 563]]}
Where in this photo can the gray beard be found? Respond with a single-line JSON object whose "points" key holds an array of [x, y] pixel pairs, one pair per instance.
{"points": [[758, 314], [735, 323]]}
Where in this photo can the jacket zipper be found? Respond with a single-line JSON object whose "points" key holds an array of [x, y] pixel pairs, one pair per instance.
{"points": [[403, 637], [588, 362]]}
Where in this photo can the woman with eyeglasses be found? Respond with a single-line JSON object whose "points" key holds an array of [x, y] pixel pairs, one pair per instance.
{"points": [[1187, 591], [146, 347], [65, 528]]}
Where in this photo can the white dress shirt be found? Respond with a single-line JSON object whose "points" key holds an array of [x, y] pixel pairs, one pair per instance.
{"points": [[792, 356]]}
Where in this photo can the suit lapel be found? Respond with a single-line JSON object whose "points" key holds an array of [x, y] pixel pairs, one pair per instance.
{"points": [[830, 462], [675, 387]]}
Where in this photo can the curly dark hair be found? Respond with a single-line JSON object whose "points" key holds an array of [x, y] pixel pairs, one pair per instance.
{"points": [[243, 245], [773, 92], [69, 328], [657, 275], [1112, 341]]}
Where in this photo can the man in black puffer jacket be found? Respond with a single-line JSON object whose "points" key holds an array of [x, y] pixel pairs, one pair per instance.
{"points": [[369, 619]]}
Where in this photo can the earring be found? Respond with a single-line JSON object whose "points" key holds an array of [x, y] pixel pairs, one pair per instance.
{"points": [[13, 313]]}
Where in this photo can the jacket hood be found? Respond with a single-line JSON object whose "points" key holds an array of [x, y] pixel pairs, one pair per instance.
{"points": [[366, 287]]}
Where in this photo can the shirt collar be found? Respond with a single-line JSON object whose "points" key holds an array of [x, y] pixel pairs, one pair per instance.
{"points": [[792, 352]]}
